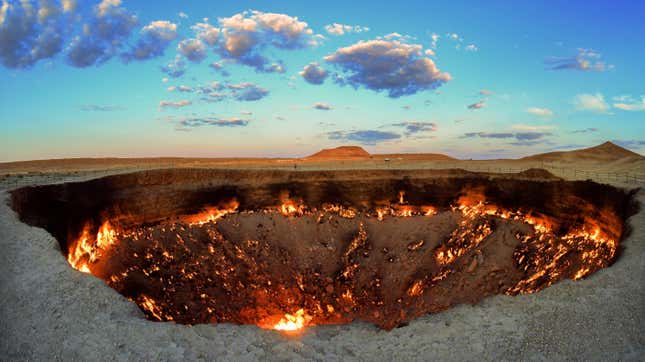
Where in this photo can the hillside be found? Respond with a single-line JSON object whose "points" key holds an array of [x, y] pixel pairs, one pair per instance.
{"points": [[341, 152], [606, 152]]}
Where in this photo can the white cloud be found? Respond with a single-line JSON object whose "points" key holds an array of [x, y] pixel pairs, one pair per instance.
{"points": [[627, 103], [544, 112], [591, 102], [171, 104], [341, 29]]}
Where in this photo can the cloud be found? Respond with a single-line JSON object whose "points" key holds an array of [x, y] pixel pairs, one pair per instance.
{"points": [[435, 39], [207, 33], [155, 38], [176, 68], [341, 29], [477, 105], [215, 122], [322, 106], [486, 92], [525, 127], [102, 36], [367, 137], [522, 138], [30, 32], [586, 130], [543, 112], [193, 49], [99, 108], [247, 92], [471, 48], [413, 127], [382, 65], [181, 88], [182, 15], [246, 113], [171, 104], [627, 103], [633, 144], [591, 102], [244, 35], [585, 60], [313, 73]]}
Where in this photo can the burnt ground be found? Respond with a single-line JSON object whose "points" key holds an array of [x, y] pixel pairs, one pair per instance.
{"points": [[50, 310]]}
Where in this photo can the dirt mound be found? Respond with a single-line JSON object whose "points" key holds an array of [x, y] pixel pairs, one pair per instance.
{"points": [[537, 173], [605, 152], [340, 153]]}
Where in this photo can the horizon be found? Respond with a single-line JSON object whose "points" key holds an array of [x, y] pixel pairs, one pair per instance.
{"points": [[124, 79]]}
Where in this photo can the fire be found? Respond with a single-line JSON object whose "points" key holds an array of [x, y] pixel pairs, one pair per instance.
{"points": [[544, 253], [211, 214], [87, 249], [293, 322]]}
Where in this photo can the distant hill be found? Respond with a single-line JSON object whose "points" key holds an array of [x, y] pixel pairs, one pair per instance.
{"points": [[340, 152], [605, 152], [415, 156]]}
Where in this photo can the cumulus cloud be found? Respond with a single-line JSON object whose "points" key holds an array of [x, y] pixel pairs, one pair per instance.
{"points": [[591, 102], [486, 92], [471, 48], [207, 33], [176, 68], [382, 65], [211, 121], [243, 36], [627, 103], [313, 73], [31, 31], [367, 137], [477, 105], [155, 38], [193, 49], [322, 106], [341, 29], [543, 112], [171, 104], [585, 60], [247, 92], [412, 127], [102, 36]]}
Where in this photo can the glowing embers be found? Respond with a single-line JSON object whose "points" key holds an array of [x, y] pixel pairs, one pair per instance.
{"points": [[291, 266]]}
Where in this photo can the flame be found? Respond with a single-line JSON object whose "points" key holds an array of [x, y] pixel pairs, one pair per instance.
{"points": [[88, 250], [211, 214], [293, 322]]}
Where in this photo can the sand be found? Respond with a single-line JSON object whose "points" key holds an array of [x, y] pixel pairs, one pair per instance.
{"points": [[48, 311]]}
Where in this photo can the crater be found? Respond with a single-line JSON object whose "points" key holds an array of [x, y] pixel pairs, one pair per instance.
{"points": [[284, 250]]}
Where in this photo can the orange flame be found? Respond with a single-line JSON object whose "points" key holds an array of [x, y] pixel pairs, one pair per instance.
{"points": [[293, 322]]}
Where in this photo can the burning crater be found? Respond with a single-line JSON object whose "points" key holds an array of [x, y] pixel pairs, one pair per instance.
{"points": [[283, 250]]}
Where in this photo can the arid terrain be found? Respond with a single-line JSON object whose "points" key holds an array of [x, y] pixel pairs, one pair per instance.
{"points": [[51, 311]]}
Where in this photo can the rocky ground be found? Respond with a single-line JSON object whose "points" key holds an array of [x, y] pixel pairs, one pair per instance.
{"points": [[48, 311]]}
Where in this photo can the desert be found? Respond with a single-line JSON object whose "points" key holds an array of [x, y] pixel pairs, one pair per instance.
{"points": [[462, 317]]}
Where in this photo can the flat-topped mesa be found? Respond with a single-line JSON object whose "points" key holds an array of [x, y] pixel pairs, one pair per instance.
{"points": [[342, 152]]}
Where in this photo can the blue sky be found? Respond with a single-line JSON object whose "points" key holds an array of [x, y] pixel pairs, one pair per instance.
{"points": [[286, 78]]}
